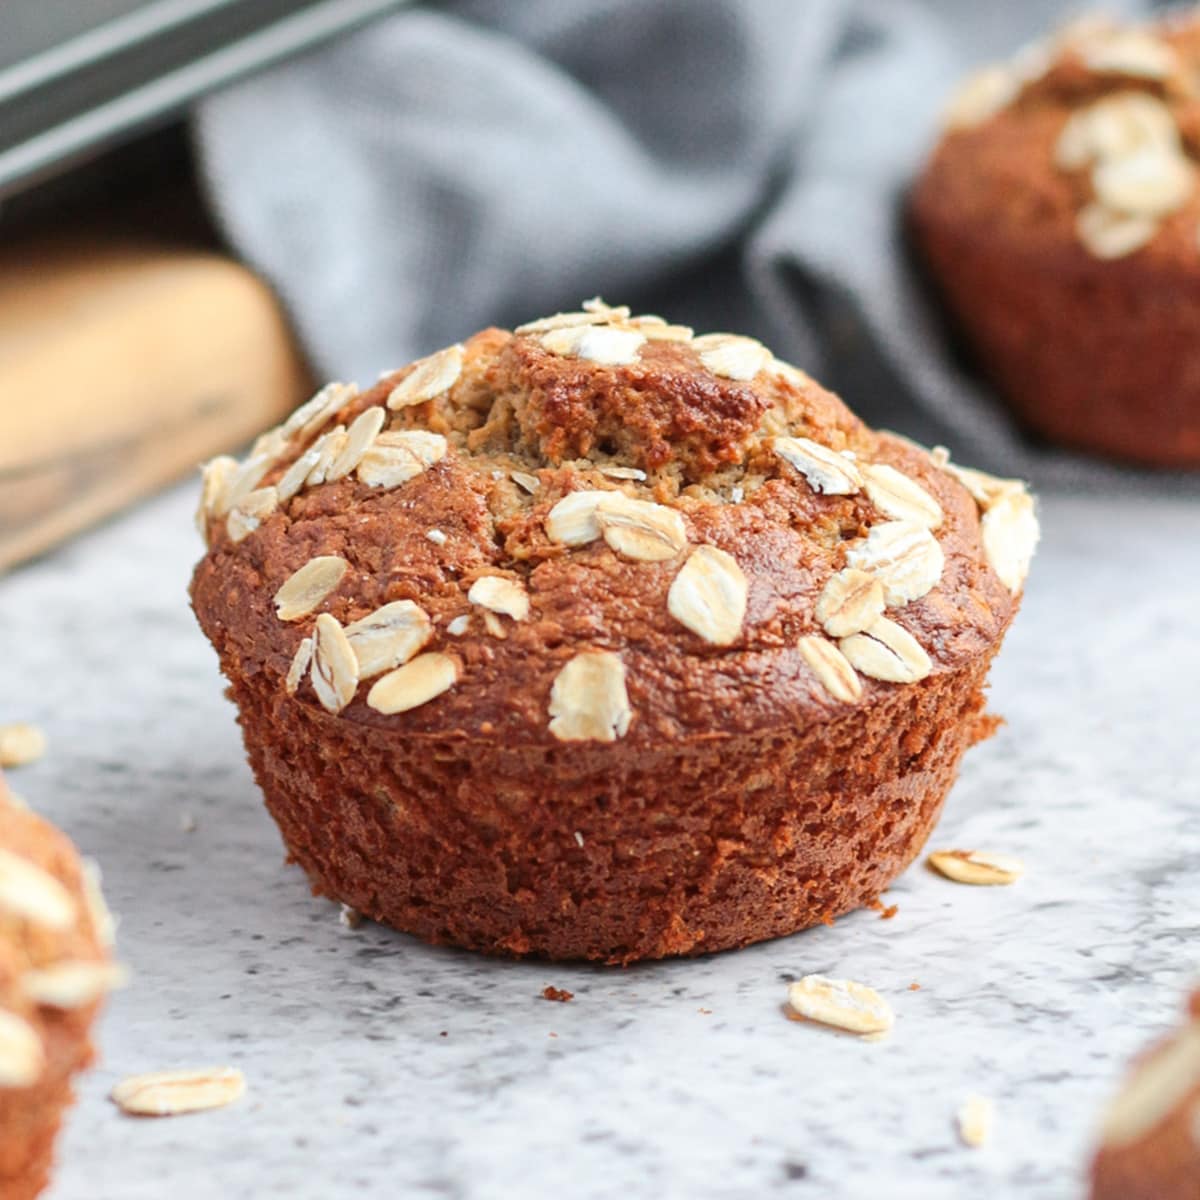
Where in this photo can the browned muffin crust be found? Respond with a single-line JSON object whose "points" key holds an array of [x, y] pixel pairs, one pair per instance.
{"points": [[727, 787], [54, 970], [1151, 1137], [1060, 218]]}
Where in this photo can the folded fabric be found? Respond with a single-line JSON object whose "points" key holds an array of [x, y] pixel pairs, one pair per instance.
{"points": [[735, 165]]}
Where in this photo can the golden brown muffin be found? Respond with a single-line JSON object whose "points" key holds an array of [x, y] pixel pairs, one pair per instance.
{"points": [[1150, 1148], [601, 640], [1060, 218], [54, 971]]}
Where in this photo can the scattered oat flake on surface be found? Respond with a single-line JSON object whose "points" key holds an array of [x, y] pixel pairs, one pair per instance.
{"points": [[526, 481], [364, 429], [899, 497], [436, 536], [905, 557], [579, 839], [1107, 235], [850, 601], [300, 664], [640, 529], [173, 1093], [457, 626], [1010, 532], [732, 356], [841, 1003], [349, 918], [21, 743], [977, 867], [559, 994], [975, 1120]]}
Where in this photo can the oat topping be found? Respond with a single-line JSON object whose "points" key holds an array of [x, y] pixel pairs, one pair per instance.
{"points": [[831, 667], [1158, 1086], [68, 985], [841, 1003], [173, 1093], [732, 356], [981, 96], [588, 701], [708, 596], [887, 651], [242, 481], [975, 1120], [395, 458], [603, 344], [300, 664], [429, 377], [362, 432], [22, 1056], [851, 601], [1132, 52], [34, 895], [214, 482], [1010, 534], [1106, 234], [457, 626], [623, 473], [826, 471], [388, 637], [906, 559], [315, 414], [422, 679], [638, 529], [104, 924], [500, 595], [526, 481], [977, 867], [308, 587], [21, 744], [250, 512], [897, 496], [436, 536], [334, 672], [330, 445]]}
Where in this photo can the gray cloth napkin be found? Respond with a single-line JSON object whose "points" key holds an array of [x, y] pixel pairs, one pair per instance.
{"points": [[732, 165]]}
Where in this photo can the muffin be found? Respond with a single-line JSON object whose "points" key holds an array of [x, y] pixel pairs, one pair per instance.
{"points": [[1150, 1148], [1060, 218], [55, 968], [599, 640]]}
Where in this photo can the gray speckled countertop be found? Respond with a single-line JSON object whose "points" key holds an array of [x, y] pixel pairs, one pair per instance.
{"points": [[378, 1066]]}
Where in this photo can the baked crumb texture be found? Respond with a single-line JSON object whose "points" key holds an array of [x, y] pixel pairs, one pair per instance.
{"points": [[1060, 218], [603, 640], [54, 971], [1150, 1139]]}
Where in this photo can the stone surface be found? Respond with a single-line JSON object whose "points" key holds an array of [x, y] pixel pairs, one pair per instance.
{"points": [[376, 1065]]}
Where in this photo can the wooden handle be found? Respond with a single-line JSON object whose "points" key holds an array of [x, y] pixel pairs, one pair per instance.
{"points": [[121, 368]]}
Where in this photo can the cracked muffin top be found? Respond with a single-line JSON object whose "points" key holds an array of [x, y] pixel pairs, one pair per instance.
{"points": [[599, 527], [1086, 139]]}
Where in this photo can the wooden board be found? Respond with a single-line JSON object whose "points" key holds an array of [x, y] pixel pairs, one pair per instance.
{"points": [[121, 368]]}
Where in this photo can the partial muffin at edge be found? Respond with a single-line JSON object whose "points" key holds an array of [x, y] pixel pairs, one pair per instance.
{"points": [[1150, 1141], [1059, 217], [55, 969], [630, 734]]}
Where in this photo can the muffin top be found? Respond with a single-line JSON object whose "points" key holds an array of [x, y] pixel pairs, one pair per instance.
{"points": [[601, 528], [55, 934], [1087, 139]]}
